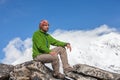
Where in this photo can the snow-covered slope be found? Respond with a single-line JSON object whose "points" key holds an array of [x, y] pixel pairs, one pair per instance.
{"points": [[99, 47], [102, 52]]}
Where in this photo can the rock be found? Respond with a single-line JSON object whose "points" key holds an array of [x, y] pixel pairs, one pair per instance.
{"points": [[5, 70], [96, 72], [77, 76], [33, 70]]}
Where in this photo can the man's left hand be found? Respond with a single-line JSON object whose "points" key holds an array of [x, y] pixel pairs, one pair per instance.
{"points": [[69, 47]]}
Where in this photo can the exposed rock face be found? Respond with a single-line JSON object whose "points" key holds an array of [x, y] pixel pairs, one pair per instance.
{"points": [[33, 70], [4, 71], [96, 72], [86, 72]]}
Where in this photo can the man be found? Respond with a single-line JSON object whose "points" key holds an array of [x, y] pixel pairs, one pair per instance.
{"points": [[41, 52]]}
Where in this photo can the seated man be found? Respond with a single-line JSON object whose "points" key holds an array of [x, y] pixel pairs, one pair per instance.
{"points": [[41, 52]]}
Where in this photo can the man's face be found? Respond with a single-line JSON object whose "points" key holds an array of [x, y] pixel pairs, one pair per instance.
{"points": [[45, 28]]}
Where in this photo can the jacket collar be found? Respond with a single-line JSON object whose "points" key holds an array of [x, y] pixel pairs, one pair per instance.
{"points": [[42, 32]]}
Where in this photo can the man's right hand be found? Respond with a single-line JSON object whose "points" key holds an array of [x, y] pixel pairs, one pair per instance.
{"points": [[53, 53]]}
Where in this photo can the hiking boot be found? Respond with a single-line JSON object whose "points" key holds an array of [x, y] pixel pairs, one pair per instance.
{"points": [[69, 69], [59, 75]]}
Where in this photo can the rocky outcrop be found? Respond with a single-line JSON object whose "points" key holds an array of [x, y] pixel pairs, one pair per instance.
{"points": [[5, 70], [86, 72], [33, 70]]}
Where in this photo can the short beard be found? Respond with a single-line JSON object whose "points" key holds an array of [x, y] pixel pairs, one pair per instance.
{"points": [[45, 30]]}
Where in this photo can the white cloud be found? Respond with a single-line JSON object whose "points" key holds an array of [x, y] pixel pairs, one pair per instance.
{"points": [[98, 47], [17, 49]]}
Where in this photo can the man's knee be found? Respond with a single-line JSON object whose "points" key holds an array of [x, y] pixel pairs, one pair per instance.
{"points": [[61, 48], [55, 58]]}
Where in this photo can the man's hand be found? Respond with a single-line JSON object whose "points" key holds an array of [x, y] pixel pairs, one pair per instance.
{"points": [[53, 53], [69, 47]]}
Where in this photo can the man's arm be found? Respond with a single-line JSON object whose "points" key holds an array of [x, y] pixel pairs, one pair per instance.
{"points": [[68, 47], [55, 42], [59, 43]]}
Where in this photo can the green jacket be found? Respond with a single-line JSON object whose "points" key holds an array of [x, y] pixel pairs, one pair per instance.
{"points": [[42, 41]]}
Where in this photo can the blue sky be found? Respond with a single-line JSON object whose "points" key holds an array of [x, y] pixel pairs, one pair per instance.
{"points": [[20, 18]]}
